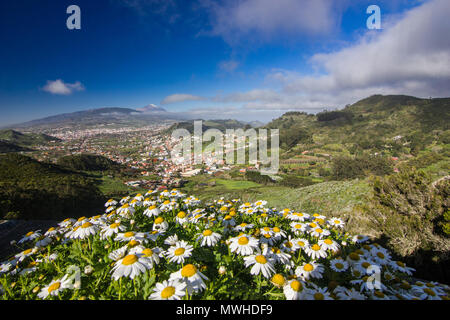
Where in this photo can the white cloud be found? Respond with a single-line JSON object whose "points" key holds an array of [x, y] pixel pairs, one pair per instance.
{"points": [[61, 88], [268, 19], [228, 66], [409, 56], [181, 97]]}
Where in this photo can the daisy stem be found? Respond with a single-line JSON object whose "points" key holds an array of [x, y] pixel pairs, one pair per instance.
{"points": [[120, 288]]}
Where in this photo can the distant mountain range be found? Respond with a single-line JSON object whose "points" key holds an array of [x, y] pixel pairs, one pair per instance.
{"points": [[102, 116]]}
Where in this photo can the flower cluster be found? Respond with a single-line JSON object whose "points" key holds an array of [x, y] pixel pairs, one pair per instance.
{"points": [[169, 246]]}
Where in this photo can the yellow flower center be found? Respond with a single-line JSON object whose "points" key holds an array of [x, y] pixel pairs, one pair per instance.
{"points": [[147, 252], [227, 217], [339, 265], [29, 233], [328, 241], [243, 241], [261, 259], [278, 279], [129, 259], [179, 251], [318, 296], [159, 220], [301, 243], [380, 255], [365, 265], [114, 225], [400, 264], [166, 202], [296, 286], [51, 229], [128, 234], [86, 225], [316, 247], [354, 256], [379, 294], [27, 251], [167, 292], [429, 292], [181, 215], [54, 287], [276, 229], [308, 267], [133, 243], [152, 207], [312, 225], [207, 233], [81, 219], [267, 229], [188, 271]]}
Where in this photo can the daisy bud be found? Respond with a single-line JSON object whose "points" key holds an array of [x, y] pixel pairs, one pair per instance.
{"points": [[36, 289], [222, 270], [13, 242], [41, 277], [88, 270], [132, 222], [35, 250], [107, 246], [13, 285], [77, 285]]}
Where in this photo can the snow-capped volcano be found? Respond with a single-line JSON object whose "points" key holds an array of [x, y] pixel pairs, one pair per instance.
{"points": [[151, 108]]}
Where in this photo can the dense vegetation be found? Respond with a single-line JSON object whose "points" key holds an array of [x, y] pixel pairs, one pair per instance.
{"points": [[360, 166], [25, 184], [6, 147], [87, 162], [25, 139]]}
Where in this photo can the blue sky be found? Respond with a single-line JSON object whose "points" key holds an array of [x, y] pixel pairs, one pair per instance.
{"points": [[248, 59]]}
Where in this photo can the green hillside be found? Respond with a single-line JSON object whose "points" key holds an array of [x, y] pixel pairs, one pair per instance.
{"points": [[394, 125], [25, 184], [25, 139], [221, 125], [87, 162], [7, 147]]}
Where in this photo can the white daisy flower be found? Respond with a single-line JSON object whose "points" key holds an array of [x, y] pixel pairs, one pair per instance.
{"points": [[317, 293], [310, 270], [261, 264], [336, 222], [169, 290], [209, 238], [55, 287], [84, 231], [30, 236], [171, 240], [348, 294], [110, 230], [152, 211], [243, 244], [338, 265], [316, 251], [179, 252], [130, 266], [294, 289], [329, 244], [193, 278], [160, 224]]}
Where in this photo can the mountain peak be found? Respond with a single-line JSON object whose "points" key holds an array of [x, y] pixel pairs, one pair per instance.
{"points": [[151, 108]]}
